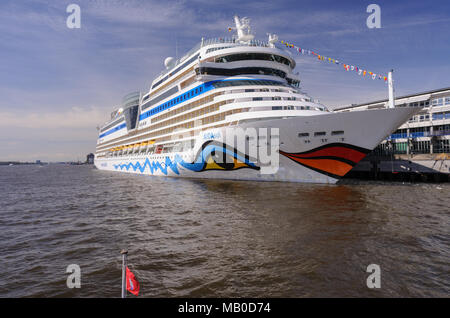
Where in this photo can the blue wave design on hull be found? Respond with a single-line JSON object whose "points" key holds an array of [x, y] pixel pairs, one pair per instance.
{"points": [[198, 165], [153, 166]]}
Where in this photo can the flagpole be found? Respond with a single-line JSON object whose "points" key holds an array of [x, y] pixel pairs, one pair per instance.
{"points": [[391, 103], [124, 270]]}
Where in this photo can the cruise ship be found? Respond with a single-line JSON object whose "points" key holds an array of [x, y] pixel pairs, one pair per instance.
{"points": [[232, 108]]}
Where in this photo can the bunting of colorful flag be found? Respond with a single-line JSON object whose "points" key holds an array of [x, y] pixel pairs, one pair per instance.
{"points": [[347, 67]]}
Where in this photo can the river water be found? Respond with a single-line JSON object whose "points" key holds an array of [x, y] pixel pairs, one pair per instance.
{"points": [[214, 238]]}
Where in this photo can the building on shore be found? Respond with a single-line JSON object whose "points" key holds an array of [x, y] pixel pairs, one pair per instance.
{"points": [[90, 159], [421, 145]]}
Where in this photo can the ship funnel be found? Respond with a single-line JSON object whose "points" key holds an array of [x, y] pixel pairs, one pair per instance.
{"points": [[243, 29]]}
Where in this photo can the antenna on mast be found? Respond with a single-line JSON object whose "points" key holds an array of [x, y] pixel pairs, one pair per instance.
{"points": [[391, 103], [176, 47]]}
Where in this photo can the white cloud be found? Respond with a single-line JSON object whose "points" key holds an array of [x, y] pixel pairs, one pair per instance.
{"points": [[60, 135], [76, 117]]}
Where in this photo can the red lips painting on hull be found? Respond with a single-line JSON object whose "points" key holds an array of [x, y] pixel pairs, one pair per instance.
{"points": [[334, 160]]}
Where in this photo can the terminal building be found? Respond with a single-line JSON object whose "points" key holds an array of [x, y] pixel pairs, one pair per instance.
{"points": [[421, 146]]}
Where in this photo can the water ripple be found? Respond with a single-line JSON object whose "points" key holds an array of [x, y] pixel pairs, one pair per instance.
{"points": [[213, 238]]}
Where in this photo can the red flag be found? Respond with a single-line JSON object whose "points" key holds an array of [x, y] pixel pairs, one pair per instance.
{"points": [[132, 283]]}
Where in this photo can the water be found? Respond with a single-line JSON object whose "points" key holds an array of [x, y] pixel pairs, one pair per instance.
{"points": [[212, 238]]}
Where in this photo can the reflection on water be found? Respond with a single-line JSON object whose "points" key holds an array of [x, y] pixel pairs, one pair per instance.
{"points": [[214, 238]]}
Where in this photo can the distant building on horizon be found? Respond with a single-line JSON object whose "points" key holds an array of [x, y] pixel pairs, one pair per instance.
{"points": [[90, 159]]}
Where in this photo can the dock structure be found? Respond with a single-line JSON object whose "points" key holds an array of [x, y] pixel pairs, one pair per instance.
{"points": [[419, 149]]}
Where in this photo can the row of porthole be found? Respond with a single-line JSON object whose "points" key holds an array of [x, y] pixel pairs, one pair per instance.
{"points": [[307, 141], [321, 133]]}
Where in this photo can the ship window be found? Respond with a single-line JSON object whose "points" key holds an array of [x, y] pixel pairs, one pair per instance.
{"points": [[319, 133], [164, 95], [253, 56], [111, 125], [301, 135], [337, 132], [242, 70], [246, 82]]}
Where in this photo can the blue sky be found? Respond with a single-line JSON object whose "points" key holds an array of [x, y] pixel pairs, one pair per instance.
{"points": [[58, 84]]}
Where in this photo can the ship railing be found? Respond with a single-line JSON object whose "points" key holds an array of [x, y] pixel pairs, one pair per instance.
{"points": [[234, 41]]}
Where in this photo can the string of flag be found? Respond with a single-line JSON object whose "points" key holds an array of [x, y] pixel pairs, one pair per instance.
{"points": [[347, 67]]}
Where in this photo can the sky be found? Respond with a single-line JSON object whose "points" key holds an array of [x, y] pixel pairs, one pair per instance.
{"points": [[58, 84]]}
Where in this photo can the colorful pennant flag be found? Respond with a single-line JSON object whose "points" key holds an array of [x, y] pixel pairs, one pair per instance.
{"points": [[347, 67]]}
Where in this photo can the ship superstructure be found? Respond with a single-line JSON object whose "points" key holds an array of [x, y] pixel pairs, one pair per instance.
{"points": [[179, 127]]}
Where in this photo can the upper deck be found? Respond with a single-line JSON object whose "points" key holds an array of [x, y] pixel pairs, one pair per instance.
{"points": [[208, 48]]}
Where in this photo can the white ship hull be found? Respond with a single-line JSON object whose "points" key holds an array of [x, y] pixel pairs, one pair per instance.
{"points": [[317, 159]]}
